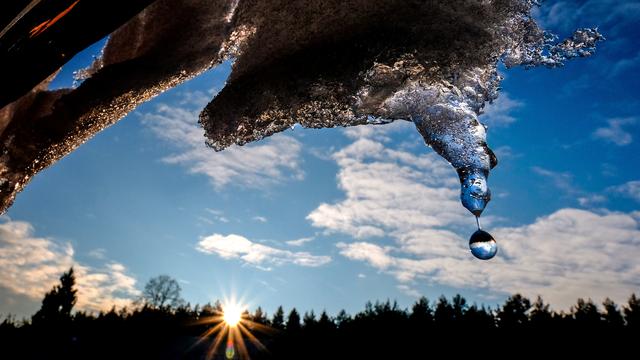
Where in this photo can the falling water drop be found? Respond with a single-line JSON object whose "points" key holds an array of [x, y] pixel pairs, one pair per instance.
{"points": [[483, 246]]}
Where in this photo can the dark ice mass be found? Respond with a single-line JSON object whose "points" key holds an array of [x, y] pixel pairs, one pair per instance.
{"points": [[317, 63]]}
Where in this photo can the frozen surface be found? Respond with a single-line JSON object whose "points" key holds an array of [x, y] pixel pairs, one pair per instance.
{"points": [[315, 63]]}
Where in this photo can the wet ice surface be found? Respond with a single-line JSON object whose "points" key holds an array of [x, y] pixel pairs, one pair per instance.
{"points": [[315, 63]]}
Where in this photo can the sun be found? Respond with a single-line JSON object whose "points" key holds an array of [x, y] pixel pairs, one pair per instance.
{"points": [[232, 314], [233, 324]]}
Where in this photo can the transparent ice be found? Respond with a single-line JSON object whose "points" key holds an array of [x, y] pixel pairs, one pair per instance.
{"points": [[433, 63]]}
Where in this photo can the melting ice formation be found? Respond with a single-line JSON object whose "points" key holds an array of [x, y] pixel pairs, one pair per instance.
{"points": [[318, 63]]}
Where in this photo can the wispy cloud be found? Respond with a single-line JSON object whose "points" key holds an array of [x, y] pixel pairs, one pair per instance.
{"points": [[234, 246], [413, 201], [31, 265], [216, 215], [616, 131], [567, 15], [261, 219], [561, 180], [266, 162], [500, 113], [300, 242], [629, 189]]}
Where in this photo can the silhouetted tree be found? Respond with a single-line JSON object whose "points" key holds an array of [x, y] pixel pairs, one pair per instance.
{"points": [[277, 321], [478, 318], [162, 292], [632, 312], [342, 319], [259, 316], [58, 303], [540, 315], [586, 313], [443, 314], [459, 305], [381, 330], [293, 320], [612, 315], [513, 313], [325, 323], [309, 320], [421, 312]]}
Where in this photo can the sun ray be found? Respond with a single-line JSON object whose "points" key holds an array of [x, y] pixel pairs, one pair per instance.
{"points": [[231, 323]]}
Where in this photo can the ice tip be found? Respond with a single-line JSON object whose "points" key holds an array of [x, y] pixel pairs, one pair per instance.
{"points": [[474, 192]]}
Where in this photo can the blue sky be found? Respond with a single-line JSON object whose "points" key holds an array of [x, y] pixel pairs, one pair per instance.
{"points": [[328, 219]]}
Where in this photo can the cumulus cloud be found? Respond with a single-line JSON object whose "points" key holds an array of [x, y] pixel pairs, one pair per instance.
{"points": [[31, 265], [403, 210], [616, 131], [629, 189], [234, 246], [387, 190], [273, 160]]}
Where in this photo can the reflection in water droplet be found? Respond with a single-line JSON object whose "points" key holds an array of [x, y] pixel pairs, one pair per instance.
{"points": [[474, 192], [483, 246]]}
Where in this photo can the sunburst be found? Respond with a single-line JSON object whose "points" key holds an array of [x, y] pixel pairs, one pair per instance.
{"points": [[233, 324]]}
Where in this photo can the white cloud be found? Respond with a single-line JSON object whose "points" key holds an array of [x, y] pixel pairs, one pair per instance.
{"points": [[300, 242], [629, 189], [615, 131], [413, 201], [379, 132], [570, 254], [499, 113], [31, 265], [266, 162], [375, 255], [234, 246], [261, 219], [387, 190]]}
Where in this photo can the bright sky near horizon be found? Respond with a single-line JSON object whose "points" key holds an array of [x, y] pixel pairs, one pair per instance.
{"points": [[332, 218]]}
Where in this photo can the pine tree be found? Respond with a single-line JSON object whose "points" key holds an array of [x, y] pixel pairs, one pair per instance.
{"points": [[277, 321], [612, 316], [540, 315], [586, 313], [514, 312], [421, 312], [260, 316], [58, 303], [632, 312], [293, 321]]}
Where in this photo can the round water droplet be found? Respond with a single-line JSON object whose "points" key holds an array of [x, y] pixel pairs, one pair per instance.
{"points": [[483, 245]]}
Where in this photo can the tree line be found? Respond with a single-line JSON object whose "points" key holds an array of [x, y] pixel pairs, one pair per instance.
{"points": [[161, 325]]}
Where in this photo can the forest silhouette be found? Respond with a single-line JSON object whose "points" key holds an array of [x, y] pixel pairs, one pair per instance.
{"points": [[160, 325]]}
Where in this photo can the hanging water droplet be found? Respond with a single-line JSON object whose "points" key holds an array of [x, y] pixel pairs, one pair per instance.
{"points": [[483, 246]]}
